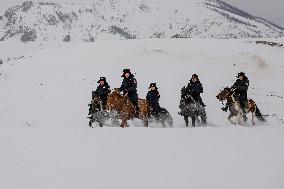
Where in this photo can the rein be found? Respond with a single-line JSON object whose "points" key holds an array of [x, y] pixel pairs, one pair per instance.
{"points": [[226, 97]]}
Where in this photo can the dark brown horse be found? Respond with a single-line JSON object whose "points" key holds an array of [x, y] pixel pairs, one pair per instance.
{"points": [[125, 109], [227, 94]]}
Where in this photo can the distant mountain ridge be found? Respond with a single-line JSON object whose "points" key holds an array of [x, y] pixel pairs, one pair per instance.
{"points": [[130, 19]]}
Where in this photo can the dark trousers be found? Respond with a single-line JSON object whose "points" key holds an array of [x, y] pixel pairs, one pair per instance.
{"points": [[156, 108], [241, 98], [198, 98], [104, 102], [134, 100]]}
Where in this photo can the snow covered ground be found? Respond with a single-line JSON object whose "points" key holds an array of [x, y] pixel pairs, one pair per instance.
{"points": [[211, 158], [46, 142]]}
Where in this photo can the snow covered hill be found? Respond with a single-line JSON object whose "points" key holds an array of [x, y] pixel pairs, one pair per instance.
{"points": [[129, 19], [45, 140]]}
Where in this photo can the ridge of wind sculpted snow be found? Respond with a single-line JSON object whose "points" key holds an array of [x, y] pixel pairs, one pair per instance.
{"points": [[122, 19]]}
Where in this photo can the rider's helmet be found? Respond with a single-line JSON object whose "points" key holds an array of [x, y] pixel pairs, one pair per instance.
{"points": [[153, 85], [126, 71], [241, 74], [102, 79]]}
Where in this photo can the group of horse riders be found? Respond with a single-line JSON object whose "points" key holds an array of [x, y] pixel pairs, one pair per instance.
{"points": [[194, 88]]}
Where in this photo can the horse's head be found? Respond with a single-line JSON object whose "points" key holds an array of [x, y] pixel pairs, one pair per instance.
{"points": [[96, 97], [224, 94], [186, 96]]}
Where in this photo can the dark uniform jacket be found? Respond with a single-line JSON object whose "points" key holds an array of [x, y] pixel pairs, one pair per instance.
{"points": [[129, 87], [241, 88], [194, 89], [153, 98], [103, 91]]}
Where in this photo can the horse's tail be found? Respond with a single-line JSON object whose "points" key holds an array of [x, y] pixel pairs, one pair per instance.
{"points": [[259, 115]]}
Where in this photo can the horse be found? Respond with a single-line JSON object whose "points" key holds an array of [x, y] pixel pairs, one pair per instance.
{"points": [[192, 108], [162, 116], [98, 114], [235, 107], [126, 110]]}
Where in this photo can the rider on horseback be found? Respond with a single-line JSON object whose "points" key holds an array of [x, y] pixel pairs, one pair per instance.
{"points": [[153, 97], [194, 88], [129, 88], [103, 90], [240, 88], [100, 94]]}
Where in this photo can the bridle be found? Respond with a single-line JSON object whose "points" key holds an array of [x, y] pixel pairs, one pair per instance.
{"points": [[98, 100], [225, 97]]}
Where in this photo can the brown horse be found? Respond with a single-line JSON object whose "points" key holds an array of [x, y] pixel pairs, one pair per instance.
{"points": [[125, 108], [235, 107]]}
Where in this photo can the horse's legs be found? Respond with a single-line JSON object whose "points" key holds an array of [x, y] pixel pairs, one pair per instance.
{"points": [[163, 123], [170, 121], [245, 117], [240, 117], [146, 122], [115, 121], [114, 118], [90, 123], [193, 121], [203, 120], [253, 118], [198, 121], [123, 122], [162, 117], [186, 120], [230, 119]]}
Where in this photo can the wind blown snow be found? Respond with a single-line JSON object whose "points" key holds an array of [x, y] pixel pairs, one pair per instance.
{"points": [[45, 138]]}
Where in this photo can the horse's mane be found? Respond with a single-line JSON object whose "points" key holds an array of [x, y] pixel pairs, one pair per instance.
{"points": [[227, 88], [114, 92]]}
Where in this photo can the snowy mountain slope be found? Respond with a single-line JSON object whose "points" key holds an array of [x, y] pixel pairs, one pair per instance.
{"points": [[128, 19]]}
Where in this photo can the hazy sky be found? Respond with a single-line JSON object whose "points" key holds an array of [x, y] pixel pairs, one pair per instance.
{"points": [[272, 10]]}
